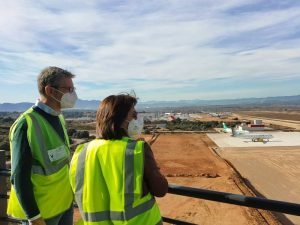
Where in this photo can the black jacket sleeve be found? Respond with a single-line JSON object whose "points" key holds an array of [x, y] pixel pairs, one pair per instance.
{"points": [[21, 170], [155, 182]]}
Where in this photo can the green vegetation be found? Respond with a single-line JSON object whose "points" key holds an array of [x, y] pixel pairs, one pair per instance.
{"points": [[78, 134], [71, 114], [4, 143], [81, 125], [187, 125], [5, 122]]}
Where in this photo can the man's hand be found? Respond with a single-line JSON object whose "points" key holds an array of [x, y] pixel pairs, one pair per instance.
{"points": [[39, 221]]}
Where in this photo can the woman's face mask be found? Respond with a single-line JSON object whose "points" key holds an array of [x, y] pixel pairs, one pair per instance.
{"points": [[135, 127]]}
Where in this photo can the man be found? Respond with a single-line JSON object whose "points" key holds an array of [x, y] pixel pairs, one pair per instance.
{"points": [[40, 151]]}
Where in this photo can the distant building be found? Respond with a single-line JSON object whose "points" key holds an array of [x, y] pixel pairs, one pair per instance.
{"points": [[255, 125]]}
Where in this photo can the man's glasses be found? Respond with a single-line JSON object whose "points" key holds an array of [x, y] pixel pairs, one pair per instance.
{"points": [[69, 89]]}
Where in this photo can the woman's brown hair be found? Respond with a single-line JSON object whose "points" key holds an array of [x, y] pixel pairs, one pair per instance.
{"points": [[111, 114]]}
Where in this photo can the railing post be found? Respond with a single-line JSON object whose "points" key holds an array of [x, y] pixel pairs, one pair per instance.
{"points": [[3, 188]]}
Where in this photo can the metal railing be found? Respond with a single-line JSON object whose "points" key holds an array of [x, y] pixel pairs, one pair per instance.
{"points": [[253, 202]]}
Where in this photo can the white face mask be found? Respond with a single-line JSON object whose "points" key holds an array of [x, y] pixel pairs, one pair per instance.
{"points": [[68, 100], [135, 127]]}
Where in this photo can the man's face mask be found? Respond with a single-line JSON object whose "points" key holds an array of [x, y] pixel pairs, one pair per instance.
{"points": [[135, 127], [68, 100]]}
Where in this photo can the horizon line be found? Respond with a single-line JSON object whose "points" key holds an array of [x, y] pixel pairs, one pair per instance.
{"points": [[177, 100]]}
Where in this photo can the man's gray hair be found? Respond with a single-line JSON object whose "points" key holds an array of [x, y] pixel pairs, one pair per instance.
{"points": [[52, 76]]}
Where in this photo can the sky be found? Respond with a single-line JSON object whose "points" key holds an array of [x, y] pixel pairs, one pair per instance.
{"points": [[163, 50]]}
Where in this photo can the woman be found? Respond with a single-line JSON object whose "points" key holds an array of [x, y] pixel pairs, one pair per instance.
{"points": [[114, 177]]}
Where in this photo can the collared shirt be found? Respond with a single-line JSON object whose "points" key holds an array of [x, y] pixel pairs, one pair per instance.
{"points": [[46, 108]]}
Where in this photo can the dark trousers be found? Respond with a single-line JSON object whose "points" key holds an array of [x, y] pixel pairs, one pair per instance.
{"points": [[65, 218]]}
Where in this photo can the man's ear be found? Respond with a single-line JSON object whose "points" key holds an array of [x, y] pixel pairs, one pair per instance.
{"points": [[48, 90]]}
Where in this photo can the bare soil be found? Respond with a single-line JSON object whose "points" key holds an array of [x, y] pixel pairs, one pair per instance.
{"points": [[273, 171], [188, 160]]}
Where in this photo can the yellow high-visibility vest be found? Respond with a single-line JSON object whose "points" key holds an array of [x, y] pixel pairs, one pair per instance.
{"points": [[50, 170], [106, 177]]}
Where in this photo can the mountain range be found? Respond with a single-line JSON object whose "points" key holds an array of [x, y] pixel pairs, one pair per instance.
{"points": [[93, 104]]}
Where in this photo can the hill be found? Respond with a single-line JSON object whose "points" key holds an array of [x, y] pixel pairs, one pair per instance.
{"points": [[93, 104]]}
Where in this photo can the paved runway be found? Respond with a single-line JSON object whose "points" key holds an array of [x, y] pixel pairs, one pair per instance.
{"points": [[279, 139]]}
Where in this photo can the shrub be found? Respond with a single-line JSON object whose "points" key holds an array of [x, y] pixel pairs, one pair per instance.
{"points": [[4, 145], [71, 131], [81, 134]]}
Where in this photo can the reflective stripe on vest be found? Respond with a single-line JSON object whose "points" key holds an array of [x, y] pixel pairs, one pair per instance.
{"points": [[129, 212], [49, 168]]}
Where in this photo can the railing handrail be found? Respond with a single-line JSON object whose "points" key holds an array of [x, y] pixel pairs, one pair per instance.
{"points": [[236, 199], [225, 197]]}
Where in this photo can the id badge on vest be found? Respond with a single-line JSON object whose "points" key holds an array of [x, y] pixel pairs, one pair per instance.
{"points": [[57, 154]]}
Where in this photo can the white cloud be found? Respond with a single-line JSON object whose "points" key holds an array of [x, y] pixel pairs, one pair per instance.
{"points": [[111, 42]]}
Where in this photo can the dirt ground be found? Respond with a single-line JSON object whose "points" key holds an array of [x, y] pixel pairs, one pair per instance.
{"points": [[273, 171], [187, 160]]}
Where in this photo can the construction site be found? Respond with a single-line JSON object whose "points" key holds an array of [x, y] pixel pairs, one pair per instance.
{"points": [[218, 161]]}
